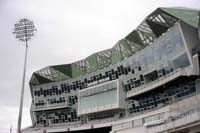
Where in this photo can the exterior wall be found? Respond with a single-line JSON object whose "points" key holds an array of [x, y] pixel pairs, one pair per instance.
{"points": [[196, 68], [199, 32], [122, 97], [133, 130], [162, 55], [177, 110], [191, 39], [156, 87], [99, 98]]}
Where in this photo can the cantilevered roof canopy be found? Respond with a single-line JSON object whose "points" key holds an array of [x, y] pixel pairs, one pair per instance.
{"points": [[154, 25], [187, 15]]}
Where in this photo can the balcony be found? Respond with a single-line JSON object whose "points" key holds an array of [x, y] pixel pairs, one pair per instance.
{"points": [[149, 86], [47, 106], [183, 120]]}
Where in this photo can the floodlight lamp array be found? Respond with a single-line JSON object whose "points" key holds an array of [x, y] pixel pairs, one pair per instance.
{"points": [[24, 30]]}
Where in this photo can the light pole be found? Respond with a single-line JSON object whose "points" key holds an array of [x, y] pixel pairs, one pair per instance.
{"points": [[11, 129], [24, 31]]}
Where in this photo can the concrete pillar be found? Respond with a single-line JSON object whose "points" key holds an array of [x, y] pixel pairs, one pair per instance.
{"points": [[198, 85]]}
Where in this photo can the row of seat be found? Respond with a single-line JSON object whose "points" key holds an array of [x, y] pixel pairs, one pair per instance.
{"points": [[71, 100], [86, 82], [140, 80], [159, 99], [49, 118]]}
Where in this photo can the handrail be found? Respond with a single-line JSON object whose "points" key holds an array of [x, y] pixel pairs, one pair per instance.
{"points": [[155, 81]]}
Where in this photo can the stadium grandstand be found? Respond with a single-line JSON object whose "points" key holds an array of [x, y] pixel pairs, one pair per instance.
{"points": [[148, 82]]}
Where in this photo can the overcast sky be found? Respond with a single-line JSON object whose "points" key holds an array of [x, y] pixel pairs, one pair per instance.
{"points": [[67, 31]]}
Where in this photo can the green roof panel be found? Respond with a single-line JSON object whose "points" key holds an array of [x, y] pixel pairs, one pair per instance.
{"points": [[187, 15], [42, 79], [157, 28], [77, 71], [134, 37], [65, 69], [91, 63]]}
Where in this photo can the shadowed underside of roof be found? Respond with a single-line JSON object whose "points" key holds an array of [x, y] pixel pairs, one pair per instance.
{"points": [[154, 25]]}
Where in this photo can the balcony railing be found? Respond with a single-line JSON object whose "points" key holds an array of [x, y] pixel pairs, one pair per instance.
{"points": [[181, 120], [156, 83], [50, 106]]}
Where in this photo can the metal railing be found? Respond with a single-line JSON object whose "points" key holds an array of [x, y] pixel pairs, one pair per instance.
{"points": [[180, 120], [177, 71]]}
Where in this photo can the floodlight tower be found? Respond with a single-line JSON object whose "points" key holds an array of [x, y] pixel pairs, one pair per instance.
{"points": [[24, 31]]}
